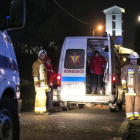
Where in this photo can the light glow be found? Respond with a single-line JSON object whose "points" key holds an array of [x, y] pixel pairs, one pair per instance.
{"points": [[58, 77], [113, 79], [124, 59], [138, 18], [100, 27]]}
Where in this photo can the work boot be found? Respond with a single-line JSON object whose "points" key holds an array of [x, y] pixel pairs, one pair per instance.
{"points": [[48, 113], [53, 110], [37, 113], [132, 118], [138, 118]]}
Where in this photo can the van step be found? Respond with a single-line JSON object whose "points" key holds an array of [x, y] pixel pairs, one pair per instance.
{"points": [[95, 94]]}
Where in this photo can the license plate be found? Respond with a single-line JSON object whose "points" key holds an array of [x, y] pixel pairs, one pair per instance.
{"points": [[74, 87]]}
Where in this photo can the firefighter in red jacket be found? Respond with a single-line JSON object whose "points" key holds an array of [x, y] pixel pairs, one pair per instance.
{"points": [[97, 65], [50, 75]]}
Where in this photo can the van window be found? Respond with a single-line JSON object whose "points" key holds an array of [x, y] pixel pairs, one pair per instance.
{"points": [[74, 59]]}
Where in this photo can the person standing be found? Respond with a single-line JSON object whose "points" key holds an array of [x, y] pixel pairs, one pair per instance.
{"points": [[130, 78], [40, 82], [50, 75], [97, 65]]}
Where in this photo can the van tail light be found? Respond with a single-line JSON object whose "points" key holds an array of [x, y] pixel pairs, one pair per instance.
{"points": [[58, 80], [113, 78]]}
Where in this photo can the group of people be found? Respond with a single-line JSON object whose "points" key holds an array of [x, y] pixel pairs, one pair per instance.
{"points": [[43, 75]]}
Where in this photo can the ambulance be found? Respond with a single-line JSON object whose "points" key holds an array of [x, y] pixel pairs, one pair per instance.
{"points": [[74, 77]]}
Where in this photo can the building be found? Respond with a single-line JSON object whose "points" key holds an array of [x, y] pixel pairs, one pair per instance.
{"points": [[114, 28]]}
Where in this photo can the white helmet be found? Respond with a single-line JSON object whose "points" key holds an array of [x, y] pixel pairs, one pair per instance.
{"points": [[42, 51], [134, 55]]}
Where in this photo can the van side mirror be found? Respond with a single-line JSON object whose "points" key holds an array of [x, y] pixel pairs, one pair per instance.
{"points": [[12, 14]]}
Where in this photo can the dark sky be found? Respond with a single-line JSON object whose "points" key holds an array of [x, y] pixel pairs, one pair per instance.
{"points": [[91, 11]]}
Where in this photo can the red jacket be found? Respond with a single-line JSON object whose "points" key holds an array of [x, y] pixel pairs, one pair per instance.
{"points": [[96, 64], [50, 74]]}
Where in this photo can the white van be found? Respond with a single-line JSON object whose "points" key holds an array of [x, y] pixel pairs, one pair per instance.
{"points": [[10, 102], [74, 77]]}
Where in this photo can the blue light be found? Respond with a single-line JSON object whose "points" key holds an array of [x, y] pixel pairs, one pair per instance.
{"points": [[7, 16]]}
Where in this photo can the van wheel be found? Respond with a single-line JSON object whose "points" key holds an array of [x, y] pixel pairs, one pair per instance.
{"points": [[65, 106], [81, 106], [112, 107], [112, 110], [9, 120]]}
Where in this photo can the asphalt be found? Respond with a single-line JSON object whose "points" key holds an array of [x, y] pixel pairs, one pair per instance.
{"points": [[129, 130]]}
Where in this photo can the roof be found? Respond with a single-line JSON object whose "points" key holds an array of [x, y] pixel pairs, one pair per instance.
{"points": [[116, 8]]}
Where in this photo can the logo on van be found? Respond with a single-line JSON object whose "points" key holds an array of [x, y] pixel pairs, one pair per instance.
{"points": [[74, 58]]}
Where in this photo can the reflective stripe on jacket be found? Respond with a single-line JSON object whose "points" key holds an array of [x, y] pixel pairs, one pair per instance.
{"points": [[134, 70], [36, 74]]}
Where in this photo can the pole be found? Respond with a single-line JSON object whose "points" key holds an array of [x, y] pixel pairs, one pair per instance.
{"points": [[93, 32]]}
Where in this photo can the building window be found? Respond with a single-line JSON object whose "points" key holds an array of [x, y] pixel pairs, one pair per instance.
{"points": [[113, 33], [74, 59], [113, 25], [113, 17]]}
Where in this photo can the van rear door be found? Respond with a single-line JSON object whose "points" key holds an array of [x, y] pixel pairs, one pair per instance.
{"points": [[73, 74]]}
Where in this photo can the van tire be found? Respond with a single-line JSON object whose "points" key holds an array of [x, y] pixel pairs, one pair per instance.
{"points": [[9, 119], [120, 105], [65, 106], [112, 107], [65, 109], [112, 110], [81, 106]]}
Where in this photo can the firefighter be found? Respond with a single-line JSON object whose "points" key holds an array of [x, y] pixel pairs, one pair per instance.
{"points": [[50, 75], [40, 82], [130, 77]]}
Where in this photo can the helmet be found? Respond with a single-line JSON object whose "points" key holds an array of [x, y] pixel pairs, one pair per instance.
{"points": [[42, 51], [133, 55]]}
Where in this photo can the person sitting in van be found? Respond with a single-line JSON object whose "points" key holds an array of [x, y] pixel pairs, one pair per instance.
{"points": [[50, 75], [97, 65]]}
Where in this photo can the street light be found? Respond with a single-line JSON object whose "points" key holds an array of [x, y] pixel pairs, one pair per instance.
{"points": [[98, 28], [138, 18]]}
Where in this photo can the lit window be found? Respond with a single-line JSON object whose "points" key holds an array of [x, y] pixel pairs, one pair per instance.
{"points": [[124, 59]]}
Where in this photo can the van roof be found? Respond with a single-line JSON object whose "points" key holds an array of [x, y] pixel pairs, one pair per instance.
{"points": [[85, 37]]}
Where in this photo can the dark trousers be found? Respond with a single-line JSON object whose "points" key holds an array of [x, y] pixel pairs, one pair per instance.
{"points": [[96, 81], [50, 100]]}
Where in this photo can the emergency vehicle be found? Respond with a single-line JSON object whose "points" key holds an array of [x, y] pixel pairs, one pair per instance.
{"points": [[10, 101], [74, 77]]}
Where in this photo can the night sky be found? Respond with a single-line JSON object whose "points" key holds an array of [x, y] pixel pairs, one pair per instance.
{"points": [[91, 11]]}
